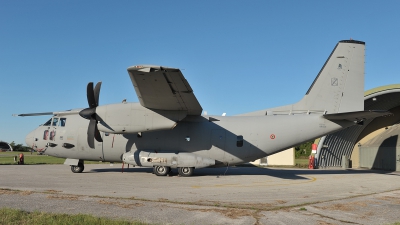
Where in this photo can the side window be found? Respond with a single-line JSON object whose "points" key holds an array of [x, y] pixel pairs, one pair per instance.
{"points": [[62, 122], [55, 121], [48, 123], [239, 141]]}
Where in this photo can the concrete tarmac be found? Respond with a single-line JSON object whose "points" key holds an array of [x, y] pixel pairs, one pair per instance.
{"points": [[238, 195]]}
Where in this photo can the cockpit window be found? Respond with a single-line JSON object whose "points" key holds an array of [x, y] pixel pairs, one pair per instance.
{"points": [[62, 122], [55, 121], [48, 123]]}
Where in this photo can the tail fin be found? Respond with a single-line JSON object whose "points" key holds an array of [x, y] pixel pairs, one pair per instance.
{"points": [[339, 86]]}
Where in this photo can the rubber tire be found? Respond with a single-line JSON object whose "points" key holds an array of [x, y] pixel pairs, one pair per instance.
{"points": [[185, 171], [77, 169], [161, 170]]}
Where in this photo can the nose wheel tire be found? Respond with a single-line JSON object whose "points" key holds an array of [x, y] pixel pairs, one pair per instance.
{"points": [[185, 171], [161, 170], [77, 169]]}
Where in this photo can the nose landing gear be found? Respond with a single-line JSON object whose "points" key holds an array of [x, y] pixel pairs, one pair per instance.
{"points": [[78, 169]]}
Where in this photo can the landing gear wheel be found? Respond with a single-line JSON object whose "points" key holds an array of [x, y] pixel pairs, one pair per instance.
{"points": [[185, 171], [161, 170], [78, 169]]}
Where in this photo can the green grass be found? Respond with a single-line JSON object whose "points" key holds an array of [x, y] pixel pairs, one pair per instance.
{"points": [[301, 161], [7, 158], [14, 216]]}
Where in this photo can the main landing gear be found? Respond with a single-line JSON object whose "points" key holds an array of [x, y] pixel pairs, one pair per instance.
{"points": [[161, 170], [164, 170], [79, 168], [185, 171]]}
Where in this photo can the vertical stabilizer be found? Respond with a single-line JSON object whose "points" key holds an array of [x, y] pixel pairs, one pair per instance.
{"points": [[339, 86]]}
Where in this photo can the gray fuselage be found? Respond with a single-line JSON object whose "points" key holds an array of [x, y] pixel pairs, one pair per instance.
{"points": [[228, 140]]}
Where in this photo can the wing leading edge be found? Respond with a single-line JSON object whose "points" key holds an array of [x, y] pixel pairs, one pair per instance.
{"points": [[163, 88]]}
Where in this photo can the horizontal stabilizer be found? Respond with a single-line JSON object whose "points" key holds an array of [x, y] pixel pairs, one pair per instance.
{"points": [[357, 116]]}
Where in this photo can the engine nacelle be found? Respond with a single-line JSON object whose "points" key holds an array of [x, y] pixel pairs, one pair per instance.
{"points": [[173, 160], [132, 118]]}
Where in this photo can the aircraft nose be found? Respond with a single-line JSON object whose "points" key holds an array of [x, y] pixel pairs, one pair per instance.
{"points": [[29, 139]]}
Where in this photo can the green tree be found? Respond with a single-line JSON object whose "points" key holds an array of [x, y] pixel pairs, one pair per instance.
{"points": [[19, 147], [303, 150]]}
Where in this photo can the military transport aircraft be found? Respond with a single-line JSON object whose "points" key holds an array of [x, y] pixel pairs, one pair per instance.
{"points": [[166, 129]]}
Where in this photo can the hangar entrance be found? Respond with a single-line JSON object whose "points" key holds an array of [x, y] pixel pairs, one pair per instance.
{"points": [[352, 142], [384, 158], [4, 146], [383, 151]]}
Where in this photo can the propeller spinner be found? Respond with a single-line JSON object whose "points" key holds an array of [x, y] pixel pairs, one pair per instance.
{"points": [[90, 113]]}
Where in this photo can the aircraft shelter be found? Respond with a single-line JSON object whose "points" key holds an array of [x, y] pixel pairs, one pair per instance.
{"points": [[373, 145], [4, 146]]}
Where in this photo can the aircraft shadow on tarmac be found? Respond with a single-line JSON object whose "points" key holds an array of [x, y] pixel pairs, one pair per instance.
{"points": [[291, 174]]}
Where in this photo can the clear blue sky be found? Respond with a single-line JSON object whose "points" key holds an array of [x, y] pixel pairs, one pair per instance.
{"points": [[238, 56]]}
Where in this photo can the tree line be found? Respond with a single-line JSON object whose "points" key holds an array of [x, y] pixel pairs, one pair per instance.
{"points": [[19, 147]]}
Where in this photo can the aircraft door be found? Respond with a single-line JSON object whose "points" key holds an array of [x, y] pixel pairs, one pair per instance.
{"points": [[218, 145]]}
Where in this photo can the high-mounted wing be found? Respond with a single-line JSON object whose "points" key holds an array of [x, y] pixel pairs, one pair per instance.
{"points": [[60, 113], [163, 88]]}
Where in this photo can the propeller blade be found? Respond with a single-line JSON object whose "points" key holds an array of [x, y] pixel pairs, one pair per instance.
{"points": [[97, 134], [97, 93], [91, 133], [90, 113], [90, 95]]}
